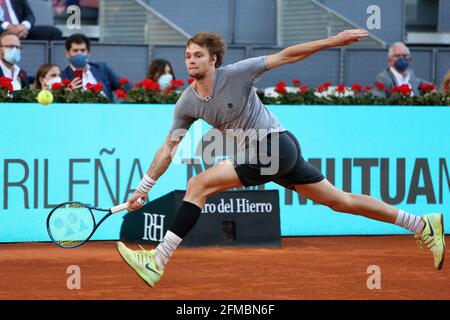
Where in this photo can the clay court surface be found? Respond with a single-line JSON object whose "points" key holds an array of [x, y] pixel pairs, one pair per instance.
{"points": [[303, 268]]}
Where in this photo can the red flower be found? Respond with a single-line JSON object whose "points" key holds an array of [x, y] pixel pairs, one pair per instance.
{"points": [[321, 88], [138, 84], [380, 86], [191, 80], [56, 86], [98, 87], [168, 90], [175, 84], [6, 82], [327, 85], [368, 88], [426, 87], [357, 87], [66, 83], [340, 88], [95, 87], [22, 75], [121, 94], [280, 87], [123, 81], [296, 82], [150, 85], [403, 90], [304, 88]]}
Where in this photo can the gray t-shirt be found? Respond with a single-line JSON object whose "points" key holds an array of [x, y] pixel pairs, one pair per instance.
{"points": [[234, 107]]}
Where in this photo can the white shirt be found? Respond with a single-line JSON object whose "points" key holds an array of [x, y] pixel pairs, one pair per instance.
{"points": [[13, 17], [401, 80], [14, 75]]}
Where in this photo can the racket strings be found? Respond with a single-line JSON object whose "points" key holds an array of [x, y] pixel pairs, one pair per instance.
{"points": [[71, 225]]}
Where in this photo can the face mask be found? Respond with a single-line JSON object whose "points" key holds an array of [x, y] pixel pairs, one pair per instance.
{"points": [[52, 81], [12, 55], [164, 80], [401, 64], [79, 61]]}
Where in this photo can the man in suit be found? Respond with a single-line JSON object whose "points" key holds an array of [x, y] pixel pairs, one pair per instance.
{"points": [[78, 49], [17, 17], [10, 57], [398, 71]]}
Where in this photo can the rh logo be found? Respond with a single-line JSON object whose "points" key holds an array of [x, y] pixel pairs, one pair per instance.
{"points": [[153, 227]]}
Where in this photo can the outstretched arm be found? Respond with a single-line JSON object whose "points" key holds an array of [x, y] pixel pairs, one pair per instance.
{"points": [[159, 165], [301, 51]]}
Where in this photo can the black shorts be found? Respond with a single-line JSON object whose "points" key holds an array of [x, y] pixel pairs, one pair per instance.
{"points": [[290, 170]]}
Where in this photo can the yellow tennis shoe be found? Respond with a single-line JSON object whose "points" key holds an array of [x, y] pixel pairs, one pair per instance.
{"points": [[433, 237], [142, 262]]}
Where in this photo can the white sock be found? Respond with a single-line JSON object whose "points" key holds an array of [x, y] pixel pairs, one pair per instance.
{"points": [[165, 249], [409, 221]]}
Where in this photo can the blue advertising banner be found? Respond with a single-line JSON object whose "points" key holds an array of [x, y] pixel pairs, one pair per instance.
{"points": [[97, 154]]}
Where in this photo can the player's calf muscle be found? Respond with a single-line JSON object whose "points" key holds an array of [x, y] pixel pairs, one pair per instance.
{"points": [[343, 203]]}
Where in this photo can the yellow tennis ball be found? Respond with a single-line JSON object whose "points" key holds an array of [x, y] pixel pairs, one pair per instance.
{"points": [[45, 97]]}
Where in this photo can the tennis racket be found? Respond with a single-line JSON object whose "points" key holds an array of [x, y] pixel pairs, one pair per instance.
{"points": [[72, 224]]}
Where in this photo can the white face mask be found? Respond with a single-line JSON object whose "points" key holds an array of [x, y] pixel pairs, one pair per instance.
{"points": [[164, 80], [12, 55], [53, 81]]}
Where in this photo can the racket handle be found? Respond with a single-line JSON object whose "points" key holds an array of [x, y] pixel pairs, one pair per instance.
{"points": [[124, 206]]}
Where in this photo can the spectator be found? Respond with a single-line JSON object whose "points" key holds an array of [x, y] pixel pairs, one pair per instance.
{"points": [[17, 17], [10, 57], [398, 71], [445, 86], [161, 71], [49, 74], [78, 49]]}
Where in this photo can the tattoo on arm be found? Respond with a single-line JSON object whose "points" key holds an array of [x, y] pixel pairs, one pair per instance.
{"points": [[163, 158]]}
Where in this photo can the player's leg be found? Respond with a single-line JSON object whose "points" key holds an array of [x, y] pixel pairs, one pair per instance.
{"points": [[219, 178], [150, 265], [429, 229], [325, 193]]}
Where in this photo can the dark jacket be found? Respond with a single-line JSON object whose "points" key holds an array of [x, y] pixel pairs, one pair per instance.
{"points": [[387, 78], [22, 76], [102, 73], [23, 12]]}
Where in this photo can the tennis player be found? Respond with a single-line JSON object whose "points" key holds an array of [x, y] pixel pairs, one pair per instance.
{"points": [[225, 98]]}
